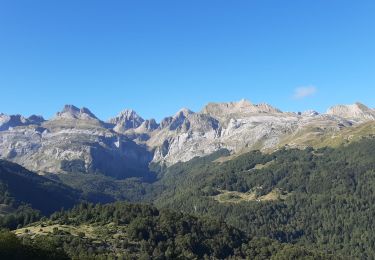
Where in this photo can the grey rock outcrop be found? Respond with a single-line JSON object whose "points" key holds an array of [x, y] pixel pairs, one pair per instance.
{"points": [[9, 121], [148, 125], [127, 119], [243, 108], [76, 140], [237, 126], [72, 112], [357, 111]]}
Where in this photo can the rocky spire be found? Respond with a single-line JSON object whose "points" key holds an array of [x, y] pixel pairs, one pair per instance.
{"points": [[127, 119]]}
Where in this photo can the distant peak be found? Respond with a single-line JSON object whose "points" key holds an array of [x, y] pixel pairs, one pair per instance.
{"points": [[357, 106], [353, 111], [361, 106], [239, 108], [70, 109], [243, 102], [86, 111], [266, 108], [184, 112], [36, 119], [8, 121], [126, 119], [127, 114], [150, 125], [73, 112]]}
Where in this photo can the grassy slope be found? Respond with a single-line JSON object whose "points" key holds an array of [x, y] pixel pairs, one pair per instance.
{"points": [[318, 138]]}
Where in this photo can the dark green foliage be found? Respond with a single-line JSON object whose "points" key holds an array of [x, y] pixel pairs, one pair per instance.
{"points": [[264, 248], [330, 195], [20, 188], [22, 216], [74, 166], [104, 189], [12, 248], [144, 231], [160, 230]]}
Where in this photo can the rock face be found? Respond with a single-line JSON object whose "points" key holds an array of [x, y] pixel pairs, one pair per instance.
{"points": [[9, 121], [243, 108], [184, 136], [237, 126], [72, 112], [356, 111], [75, 140], [148, 125], [127, 119]]}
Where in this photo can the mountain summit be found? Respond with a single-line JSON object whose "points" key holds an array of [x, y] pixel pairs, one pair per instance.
{"points": [[356, 111], [8, 121], [73, 112], [76, 140], [127, 119], [225, 111]]}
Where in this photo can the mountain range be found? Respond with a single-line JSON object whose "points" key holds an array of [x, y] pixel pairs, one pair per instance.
{"points": [[75, 140], [236, 180]]}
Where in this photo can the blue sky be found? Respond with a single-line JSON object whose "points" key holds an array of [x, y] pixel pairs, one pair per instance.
{"points": [[159, 56]]}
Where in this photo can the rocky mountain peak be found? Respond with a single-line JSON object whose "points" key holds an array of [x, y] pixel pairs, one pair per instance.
{"points": [[73, 112], [236, 126], [8, 121], [214, 108], [70, 109], [86, 111], [129, 113], [35, 119], [183, 112], [242, 108], [149, 125], [357, 111], [266, 108], [179, 120], [127, 119], [362, 106], [243, 103]]}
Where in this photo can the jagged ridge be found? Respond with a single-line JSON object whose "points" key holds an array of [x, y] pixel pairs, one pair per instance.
{"points": [[127, 142]]}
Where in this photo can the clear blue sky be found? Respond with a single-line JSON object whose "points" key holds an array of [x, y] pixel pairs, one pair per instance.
{"points": [[159, 56]]}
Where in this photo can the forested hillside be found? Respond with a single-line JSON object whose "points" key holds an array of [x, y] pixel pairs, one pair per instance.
{"points": [[133, 231], [321, 198], [25, 196]]}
